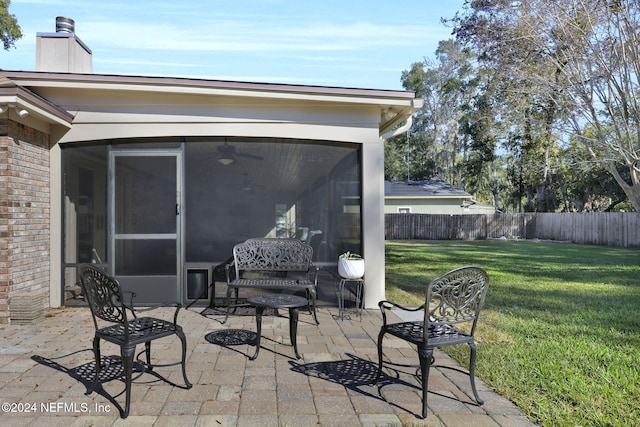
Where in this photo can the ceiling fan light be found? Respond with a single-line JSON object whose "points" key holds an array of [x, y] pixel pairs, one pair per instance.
{"points": [[226, 160]]}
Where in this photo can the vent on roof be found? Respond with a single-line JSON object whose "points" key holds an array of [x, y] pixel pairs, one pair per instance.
{"points": [[65, 25]]}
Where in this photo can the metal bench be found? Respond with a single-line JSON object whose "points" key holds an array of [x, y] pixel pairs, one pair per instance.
{"points": [[272, 264]]}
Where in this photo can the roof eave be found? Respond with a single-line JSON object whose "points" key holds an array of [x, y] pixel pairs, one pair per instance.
{"points": [[20, 97], [395, 105]]}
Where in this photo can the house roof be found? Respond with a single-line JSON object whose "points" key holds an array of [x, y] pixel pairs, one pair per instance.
{"points": [[423, 189], [395, 105]]}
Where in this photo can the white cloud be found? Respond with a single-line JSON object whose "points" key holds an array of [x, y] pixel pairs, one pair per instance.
{"points": [[235, 36]]}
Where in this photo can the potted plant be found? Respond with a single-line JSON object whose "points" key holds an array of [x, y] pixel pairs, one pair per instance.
{"points": [[350, 265]]}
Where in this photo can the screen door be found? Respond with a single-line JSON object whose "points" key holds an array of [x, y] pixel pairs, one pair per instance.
{"points": [[144, 226]]}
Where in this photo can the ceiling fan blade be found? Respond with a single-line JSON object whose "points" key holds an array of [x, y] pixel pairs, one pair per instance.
{"points": [[230, 150], [250, 156]]}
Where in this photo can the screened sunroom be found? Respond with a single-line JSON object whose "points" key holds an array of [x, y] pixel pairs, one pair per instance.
{"points": [[161, 214]]}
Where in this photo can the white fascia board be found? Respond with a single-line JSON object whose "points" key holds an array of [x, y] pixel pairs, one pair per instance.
{"points": [[347, 96]]}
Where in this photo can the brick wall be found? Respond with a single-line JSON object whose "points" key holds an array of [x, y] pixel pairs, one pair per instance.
{"points": [[24, 213]]}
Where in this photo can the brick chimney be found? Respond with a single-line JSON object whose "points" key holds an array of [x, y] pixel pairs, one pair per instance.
{"points": [[62, 51]]}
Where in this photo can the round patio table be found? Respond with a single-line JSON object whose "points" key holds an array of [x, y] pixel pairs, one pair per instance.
{"points": [[292, 302]]}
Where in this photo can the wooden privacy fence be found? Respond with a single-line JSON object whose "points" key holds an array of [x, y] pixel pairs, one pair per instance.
{"points": [[620, 229]]}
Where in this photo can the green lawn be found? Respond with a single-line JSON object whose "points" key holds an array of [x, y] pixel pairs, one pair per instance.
{"points": [[559, 334]]}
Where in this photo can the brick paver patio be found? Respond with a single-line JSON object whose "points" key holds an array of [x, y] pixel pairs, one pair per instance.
{"points": [[45, 368]]}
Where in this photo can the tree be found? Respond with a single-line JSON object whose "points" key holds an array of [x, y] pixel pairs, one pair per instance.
{"points": [[586, 186], [566, 68], [10, 31], [496, 31], [394, 168], [435, 147], [477, 128], [603, 68]]}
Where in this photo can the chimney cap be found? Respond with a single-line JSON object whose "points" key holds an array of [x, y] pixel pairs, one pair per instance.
{"points": [[65, 25]]}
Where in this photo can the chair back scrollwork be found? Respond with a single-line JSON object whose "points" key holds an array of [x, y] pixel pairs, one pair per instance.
{"points": [[456, 297], [104, 296]]}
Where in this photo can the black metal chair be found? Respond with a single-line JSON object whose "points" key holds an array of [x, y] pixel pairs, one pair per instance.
{"points": [[105, 298], [453, 298]]}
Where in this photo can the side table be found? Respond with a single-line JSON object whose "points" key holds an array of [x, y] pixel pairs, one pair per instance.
{"points": [[359, 293], [292, 302]]}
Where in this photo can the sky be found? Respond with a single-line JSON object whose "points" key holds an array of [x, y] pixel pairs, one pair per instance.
{"points": [[339, 43]]}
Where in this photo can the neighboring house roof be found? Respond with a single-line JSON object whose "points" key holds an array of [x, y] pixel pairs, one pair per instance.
{"points": [[437, 189]]}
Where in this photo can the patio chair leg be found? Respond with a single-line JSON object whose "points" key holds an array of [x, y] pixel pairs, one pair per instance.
{"points": [[312, 292], [127, 353], [380, 336], [425, 356], [235, 303], [226, 317], [147, 349], [472, 372], [98, 368], [183, 339]]}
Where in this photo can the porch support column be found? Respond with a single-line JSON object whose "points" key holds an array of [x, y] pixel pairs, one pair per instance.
{"points": [[373, 221], [55, 227]]}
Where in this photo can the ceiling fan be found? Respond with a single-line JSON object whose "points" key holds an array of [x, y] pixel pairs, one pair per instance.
{"points": [[227, 154]]}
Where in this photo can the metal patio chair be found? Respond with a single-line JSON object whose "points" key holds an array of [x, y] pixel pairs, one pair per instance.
{"points": [[105, 298], [453, 298]]}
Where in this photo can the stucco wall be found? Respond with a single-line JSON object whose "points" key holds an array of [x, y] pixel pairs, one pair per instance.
{"points": [[24, 213]]}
